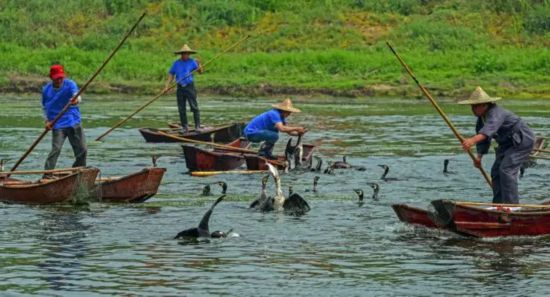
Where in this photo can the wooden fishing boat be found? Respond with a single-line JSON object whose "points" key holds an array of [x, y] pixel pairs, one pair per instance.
{"points": [[219, 159], [64, 187], [133, 188], [480, 219], [222, 134], [255, 162], [493, 220]]}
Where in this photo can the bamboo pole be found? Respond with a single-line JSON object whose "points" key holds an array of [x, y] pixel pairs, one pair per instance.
{"points": [[440, 111], [60, 114], [211, 173], [164, 91], [542, 150], [540, 157]]}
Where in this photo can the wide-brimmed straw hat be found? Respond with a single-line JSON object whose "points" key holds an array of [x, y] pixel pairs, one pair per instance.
{"points": [[185, 49], [479, 96], [286, 105]]}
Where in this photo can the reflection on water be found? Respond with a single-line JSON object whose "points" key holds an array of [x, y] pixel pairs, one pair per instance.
{"points": [[338, 248]]}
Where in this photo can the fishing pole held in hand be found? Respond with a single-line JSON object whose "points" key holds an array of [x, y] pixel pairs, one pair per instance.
{"points": [[84, 87], [440, 111], [166, 90]]}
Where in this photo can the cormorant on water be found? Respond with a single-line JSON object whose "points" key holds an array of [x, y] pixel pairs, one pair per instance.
{"points": [[154, 158], [290, 191], [315, 182], [446, 167], [360, 194], [263, 194], [318, 165], [224, 186], [206, 190], [2, 162], [294, 204], [376, 188], [386, 170], [203, 230]]}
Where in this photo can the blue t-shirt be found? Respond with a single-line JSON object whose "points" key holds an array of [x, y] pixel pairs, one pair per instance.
{"points": [[53, 101], [265, 121], [181, 69]]}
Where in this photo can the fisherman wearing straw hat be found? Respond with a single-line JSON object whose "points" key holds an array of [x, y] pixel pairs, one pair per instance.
{"points": [[182, 70], [55, 95], [266, 127], [515, 141]]}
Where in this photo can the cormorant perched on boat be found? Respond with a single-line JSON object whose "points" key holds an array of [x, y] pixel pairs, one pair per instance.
{"points": [[318, 165], [386, 170], [203, 230], [294, 204], [294, 153], [206, 190], [263, 194], [376, 188]]}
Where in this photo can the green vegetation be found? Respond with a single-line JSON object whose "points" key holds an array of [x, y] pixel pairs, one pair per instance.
{"points": [[335, 47]]}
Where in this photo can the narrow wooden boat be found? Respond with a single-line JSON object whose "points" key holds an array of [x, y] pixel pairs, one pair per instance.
{"points": [[413, 215], [255, 162], [493, 220], [222, 134], [198, 159], [133, 188], [64, 187]]}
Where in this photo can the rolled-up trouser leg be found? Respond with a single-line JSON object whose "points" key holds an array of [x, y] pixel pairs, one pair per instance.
{"points": [[58, 138], [78, 142]]}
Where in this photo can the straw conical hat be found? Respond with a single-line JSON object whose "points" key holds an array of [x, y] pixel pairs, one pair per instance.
{"points": [[479, 96], [286, 105], [185, 49]]}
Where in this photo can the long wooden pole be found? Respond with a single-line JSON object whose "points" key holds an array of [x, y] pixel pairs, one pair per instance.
{"points": [[60, 114], [164, 91], [542, 150], [210, 173], [42, 171], [440, 111]]}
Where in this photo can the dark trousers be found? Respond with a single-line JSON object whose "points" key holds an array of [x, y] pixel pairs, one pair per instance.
{"points": [[77, 140], [504, 172], [185, 94]]}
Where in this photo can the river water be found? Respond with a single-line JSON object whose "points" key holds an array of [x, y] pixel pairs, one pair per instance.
{"points": [[338, 248]]}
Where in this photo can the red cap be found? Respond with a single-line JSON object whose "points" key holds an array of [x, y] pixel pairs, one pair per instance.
{"points": [[56, 71]]}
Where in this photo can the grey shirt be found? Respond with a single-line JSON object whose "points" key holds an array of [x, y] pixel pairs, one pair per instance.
{"points": [[499, 124]]}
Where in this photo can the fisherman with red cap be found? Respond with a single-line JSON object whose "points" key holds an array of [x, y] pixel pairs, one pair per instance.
{"points": [[55, 95]]}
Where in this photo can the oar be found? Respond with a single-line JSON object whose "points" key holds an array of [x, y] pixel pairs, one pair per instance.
{"points": [[168, 89], [60, 114], [210, 173], [440, 111]]}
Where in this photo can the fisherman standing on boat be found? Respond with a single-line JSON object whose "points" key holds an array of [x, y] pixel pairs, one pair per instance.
{"points": [[515, 141], [55, 95], [266, 127], [182, 71]]}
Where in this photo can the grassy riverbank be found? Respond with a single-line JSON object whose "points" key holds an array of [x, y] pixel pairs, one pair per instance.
{"points": [[334, 47]]}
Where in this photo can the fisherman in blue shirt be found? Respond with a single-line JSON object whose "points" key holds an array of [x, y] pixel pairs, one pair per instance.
{"points": [[266, 126], [55, 95], [515, 142], [181, 70]]}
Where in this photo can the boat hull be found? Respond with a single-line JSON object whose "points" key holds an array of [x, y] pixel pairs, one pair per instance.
{"points": [[133, 188], [78, 184], [413, 215], [197, 159], [493, 220]]}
